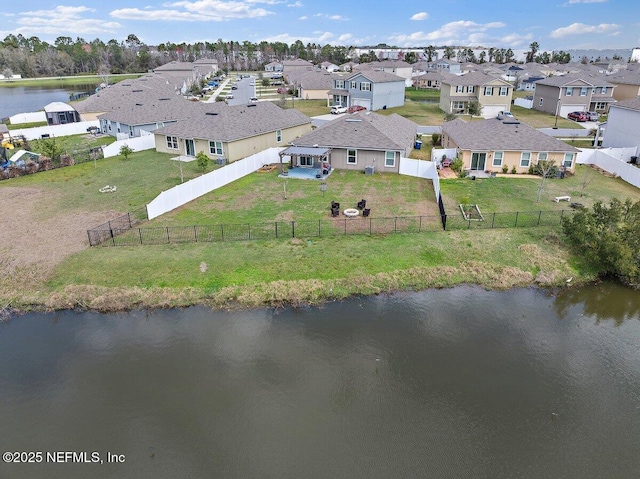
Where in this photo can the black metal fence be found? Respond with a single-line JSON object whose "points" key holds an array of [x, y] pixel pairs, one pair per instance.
{"points": [[122, 231]]}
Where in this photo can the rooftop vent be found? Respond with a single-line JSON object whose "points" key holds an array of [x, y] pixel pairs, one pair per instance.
{"points": [[162, 99], [136, 91], [251, 105], [211, 113], [138, 104]]}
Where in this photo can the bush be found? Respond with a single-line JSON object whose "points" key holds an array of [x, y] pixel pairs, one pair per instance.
{"points": [[505, 169], [456, 165], [435, 139], [552, 169], [514, 170]]}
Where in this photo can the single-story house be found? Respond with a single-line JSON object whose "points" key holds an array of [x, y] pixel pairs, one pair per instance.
{"points": [[359, 141], [231, 132], [493, 144]]}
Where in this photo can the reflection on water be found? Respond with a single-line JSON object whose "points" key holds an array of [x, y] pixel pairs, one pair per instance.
{"points": [[602, 302], [25, 99], [447, 383]]}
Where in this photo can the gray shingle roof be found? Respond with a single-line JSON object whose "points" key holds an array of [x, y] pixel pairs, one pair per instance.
{"points": [[499, 135], [231, 123], [364, 131], [471, 79], [631, 104], [625, 78], [376, 76], [566, 80]]}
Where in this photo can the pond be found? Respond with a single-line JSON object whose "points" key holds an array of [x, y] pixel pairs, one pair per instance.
{"points": [[458, 382]]}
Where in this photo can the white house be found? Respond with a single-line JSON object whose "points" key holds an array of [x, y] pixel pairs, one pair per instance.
{"points": [[621, 129]]}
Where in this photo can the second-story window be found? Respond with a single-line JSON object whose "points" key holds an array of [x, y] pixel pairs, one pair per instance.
{"points": [[354, 85], [568, 91], [604, 90], [504, 91], [365, 86], [488, 91], [459, 89], [471, 89], [583, 91], [339, 84]]}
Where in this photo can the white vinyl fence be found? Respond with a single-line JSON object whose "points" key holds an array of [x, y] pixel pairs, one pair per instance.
{"points": [[31, 117], [437, 153], [139, 143], [189, 191], [421, 169], [613, 160], [523, 102], [55, 130]]}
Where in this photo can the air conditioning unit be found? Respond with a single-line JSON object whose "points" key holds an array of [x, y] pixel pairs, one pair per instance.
{"points": [[369, 170], [221, 161]]}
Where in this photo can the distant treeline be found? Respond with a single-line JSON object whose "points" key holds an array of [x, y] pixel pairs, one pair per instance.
{"points": [[33, 58]]}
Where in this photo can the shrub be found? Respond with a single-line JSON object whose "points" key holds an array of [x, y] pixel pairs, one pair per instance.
{"points": [[46, 163], [505, 169], [435, 139], [514, 170], [456, 165]]}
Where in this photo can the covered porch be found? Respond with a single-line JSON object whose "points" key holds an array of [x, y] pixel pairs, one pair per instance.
{"points": [[338, 97], [305, 162]]}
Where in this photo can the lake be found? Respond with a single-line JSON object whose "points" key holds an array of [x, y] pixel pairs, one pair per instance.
{"points": [[457, 382], [25, 99]]}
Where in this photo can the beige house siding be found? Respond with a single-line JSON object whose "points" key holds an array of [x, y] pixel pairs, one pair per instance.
{"points": [[510, 158], [313, 94], [495, 98], [363, 158], [626, 92], [445, 97], [236, 150]]}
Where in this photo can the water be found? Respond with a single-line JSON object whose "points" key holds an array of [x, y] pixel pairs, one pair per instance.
{"points": [[444, 383], [25, 99]]}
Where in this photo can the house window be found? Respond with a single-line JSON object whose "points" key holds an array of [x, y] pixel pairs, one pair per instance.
{"points": [[354, 85], [390, 159], [351, 157], [542, 156], [604, 90], [365, 86], [583, 91], [471, 89], [459, 89], [593, 90], [601, 105], [457, 106], [525, 159], [130, 131], [215, 148], [488, 91], [504, 91], [340, 84], [278, 136], [497, 158], [306, 161], [568, 160], [172, 142], [568, 91], [159, 125]]}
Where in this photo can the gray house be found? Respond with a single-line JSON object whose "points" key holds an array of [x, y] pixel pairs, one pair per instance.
{"points": [[560, 95], [359, 141], [373, 89]]}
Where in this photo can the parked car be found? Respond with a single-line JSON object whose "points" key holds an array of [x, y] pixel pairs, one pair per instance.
{"points": [[229, 96], [337, 109], [282, 90], [504, 114], [578, 116], [234, 87], [355, 108], [593, 115], [253, 99]]}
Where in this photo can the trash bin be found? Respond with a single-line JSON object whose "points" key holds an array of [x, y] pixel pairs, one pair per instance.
{"points": [[634, 160], [417, 145]]}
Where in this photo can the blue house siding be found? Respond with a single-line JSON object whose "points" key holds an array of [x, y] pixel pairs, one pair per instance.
{"points": [[382, 94]]}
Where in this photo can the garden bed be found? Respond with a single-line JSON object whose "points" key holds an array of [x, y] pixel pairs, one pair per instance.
{"points": [[471, 212]]}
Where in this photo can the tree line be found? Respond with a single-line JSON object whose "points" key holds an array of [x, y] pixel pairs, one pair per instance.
{"points": [[32, 57]]}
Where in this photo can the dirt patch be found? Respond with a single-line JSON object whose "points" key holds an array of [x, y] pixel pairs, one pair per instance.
{"points": [[31, 240]]}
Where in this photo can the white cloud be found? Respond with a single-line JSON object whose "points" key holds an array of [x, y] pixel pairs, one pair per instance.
{"points": [[304, 17], [581, 29], [420, 16], [295, 5], [575, 2], [458, 32], [202, 10], [62, 20], [331, 17]]}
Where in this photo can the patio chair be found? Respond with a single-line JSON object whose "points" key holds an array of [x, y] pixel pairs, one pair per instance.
{"points": [[366, 211], [335, 212], [335, 205], [362, 204]]}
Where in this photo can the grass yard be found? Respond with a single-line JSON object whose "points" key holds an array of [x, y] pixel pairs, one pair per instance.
{"points": [[260, 197], [516, 193], [539, 119], [422, 94]]}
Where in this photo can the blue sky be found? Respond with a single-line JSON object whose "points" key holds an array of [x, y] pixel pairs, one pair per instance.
{"points": [[555, 25]]}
